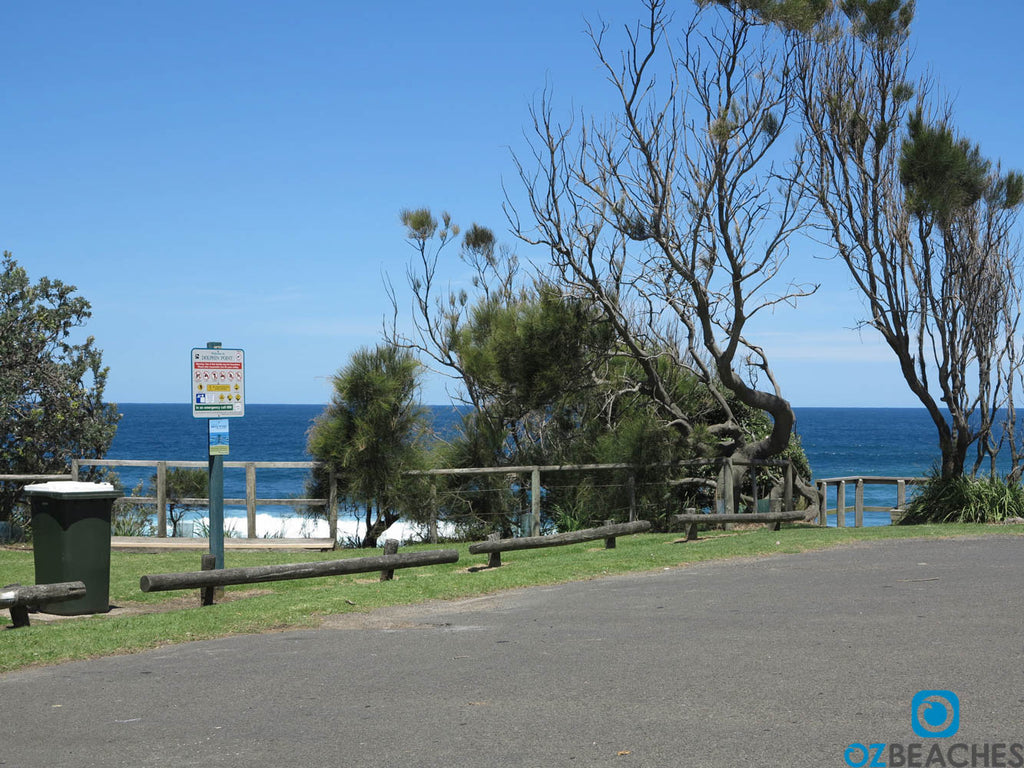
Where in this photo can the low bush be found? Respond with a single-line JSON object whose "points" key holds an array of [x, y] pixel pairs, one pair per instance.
{"points": [[965, 500]]}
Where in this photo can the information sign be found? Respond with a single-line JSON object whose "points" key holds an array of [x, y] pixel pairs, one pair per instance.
{"points": [[218, 383], [219, 437]]}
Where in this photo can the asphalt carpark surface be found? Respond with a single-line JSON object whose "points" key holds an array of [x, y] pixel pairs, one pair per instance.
{"points": [[778, 661]]}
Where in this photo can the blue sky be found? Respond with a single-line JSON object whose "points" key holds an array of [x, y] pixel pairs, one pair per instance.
{"points": [[233, 171]]}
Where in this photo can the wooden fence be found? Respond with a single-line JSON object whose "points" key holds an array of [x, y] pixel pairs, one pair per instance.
{"points": [[725, 494], [250, 501], [859, 482]]}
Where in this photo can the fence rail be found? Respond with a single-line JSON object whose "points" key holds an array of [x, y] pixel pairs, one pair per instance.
{"points": [[250, 501], [33, 478], [859, 482]]}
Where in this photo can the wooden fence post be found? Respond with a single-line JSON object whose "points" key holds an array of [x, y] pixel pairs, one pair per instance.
{"points": [[390, 548], [535, 502], [250, 499], [858, 504], [161, 499], [729, 491], [332, 505], [787, 487], [752, 469], [823, 501], [841, 505], [631, 484], [433, 513]]}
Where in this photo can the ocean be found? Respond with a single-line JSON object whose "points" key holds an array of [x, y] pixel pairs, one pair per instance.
{"points": [[839, 442]]}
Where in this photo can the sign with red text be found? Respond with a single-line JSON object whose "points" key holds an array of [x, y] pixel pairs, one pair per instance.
{"points": [[218, 383]]}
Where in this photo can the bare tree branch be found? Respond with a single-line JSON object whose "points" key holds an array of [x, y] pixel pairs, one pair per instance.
{"points": [[674, 214]]}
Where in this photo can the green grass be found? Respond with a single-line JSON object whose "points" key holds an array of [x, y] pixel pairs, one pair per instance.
{"points": [[304, 602]]}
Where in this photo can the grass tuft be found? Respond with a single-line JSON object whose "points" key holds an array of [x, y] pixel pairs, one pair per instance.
{"points": [[965, 500]]}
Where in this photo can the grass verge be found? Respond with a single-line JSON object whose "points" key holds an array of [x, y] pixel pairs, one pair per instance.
{"points": [[161, 618]]}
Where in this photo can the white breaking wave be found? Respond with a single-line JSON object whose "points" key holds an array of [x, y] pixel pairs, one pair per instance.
{"points": [[296, 527]]}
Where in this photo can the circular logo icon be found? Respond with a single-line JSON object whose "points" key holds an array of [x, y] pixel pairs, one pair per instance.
{"points": [[935, 714]]}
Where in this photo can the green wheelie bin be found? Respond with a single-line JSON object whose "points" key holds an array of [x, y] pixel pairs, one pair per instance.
{"points": [[71, 540]]}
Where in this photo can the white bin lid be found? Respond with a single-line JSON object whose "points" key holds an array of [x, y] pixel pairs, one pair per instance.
{"points": [[71, 488]]}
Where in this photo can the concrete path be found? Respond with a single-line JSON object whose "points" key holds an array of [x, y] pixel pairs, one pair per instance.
{"points": [[781, 661]]}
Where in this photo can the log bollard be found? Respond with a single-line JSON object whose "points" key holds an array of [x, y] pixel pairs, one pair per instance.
{"points": [[495, 545], [494, 558], [206, 594], [223, 577], [19, 599], [609, 542], [390, 548]]}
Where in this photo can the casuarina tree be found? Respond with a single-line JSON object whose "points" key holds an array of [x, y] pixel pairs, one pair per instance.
{"points": [[674, 213], [370, 434], [925, 224]]}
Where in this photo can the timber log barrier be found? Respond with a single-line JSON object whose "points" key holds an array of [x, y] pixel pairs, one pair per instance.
{"points": [[493, 547], [692, 519], [205, 580], [19, 599]]}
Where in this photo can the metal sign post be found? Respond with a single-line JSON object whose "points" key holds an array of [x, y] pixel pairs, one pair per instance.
{"points": [[216, 470], [218, 434], [218, 393]]}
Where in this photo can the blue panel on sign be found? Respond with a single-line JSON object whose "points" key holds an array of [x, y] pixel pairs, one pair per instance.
{"points": [[219, 438]]}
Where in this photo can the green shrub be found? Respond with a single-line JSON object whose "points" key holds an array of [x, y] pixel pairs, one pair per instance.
{"points": [[129, 518], [965, 500], [19, 526]]}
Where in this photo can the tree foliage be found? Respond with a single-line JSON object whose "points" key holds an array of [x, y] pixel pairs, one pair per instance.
{"points": [[527, 351], [942, 174], [674, 214], [925, 224], [797, 15], [549, 382], [369, 434], [181, 484], [669, 222], [51, 387]]}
